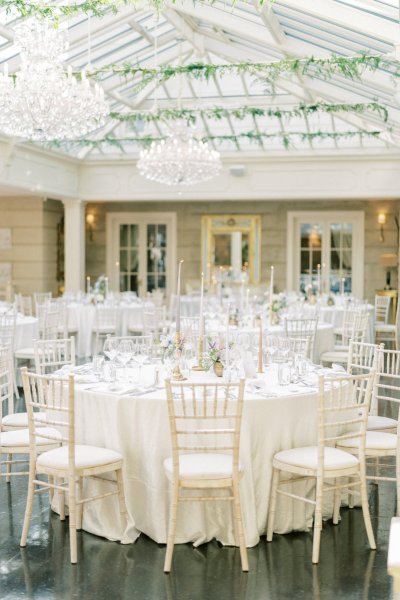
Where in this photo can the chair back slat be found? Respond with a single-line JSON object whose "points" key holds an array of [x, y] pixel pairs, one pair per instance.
{"points": [[344, 404], [305, 328], [382, 307], [54, 397], [205, 418], [6, 380], [51, 355]]}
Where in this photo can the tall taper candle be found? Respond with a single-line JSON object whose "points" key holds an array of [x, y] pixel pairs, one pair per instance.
{"points": [[227, 339], [178, 300], [319, 279], [106, 285], [88, 284], [271, 285], [201, 322], [260, 350]]}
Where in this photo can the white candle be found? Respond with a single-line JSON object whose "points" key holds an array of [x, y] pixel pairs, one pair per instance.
{"points": [[247, 299], [106, 282], [342, 285], [242, 293], [260, 350], [201, 322], [220, 285], [319, 279], [178, 300], [88, 284], [271, 285], [227, 339], [322, 276], [117, 276]]}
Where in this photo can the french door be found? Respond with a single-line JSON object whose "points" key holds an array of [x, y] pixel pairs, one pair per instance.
{"points": [[326, 250], [141, 251]]}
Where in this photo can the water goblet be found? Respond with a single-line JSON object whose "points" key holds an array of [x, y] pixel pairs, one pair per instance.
{"points": [[110, 347], [98, 362], [124, 354]]}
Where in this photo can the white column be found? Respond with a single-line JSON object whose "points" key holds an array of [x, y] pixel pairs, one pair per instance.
{"points": [[74, 245]]}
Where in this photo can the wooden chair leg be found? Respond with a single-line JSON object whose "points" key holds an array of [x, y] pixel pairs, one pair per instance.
{"points": [[61, 500], [171, 529], [79, 511], [351, 495], [121, 499], [272, 504], [317, 522], [29, 506], [72, 520], [365, 509], [336, 505], [239, 521], [8, 468], [53, 481]]}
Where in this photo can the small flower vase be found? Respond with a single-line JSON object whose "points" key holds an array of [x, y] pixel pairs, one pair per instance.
{"points": [[218, 368], [274, 318]]}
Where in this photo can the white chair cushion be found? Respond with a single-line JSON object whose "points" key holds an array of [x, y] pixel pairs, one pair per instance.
{"points": [[338, 356], [376, 422], [25, 353], [202, 465], [85, 457], [307, 457], [385, 328], [19, 419], [105, 329], [374, 440], [20, 437]]}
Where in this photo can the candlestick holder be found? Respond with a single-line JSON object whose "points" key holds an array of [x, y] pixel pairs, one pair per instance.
{"points": [[176, 371], [200, 366]]}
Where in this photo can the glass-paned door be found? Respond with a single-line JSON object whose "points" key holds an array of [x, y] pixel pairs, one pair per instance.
{"points": [[141, 251], [326, 252]]}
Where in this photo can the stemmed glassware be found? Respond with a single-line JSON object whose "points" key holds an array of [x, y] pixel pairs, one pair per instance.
{"points": [[142, 352], [110, 348], [124, 354]]}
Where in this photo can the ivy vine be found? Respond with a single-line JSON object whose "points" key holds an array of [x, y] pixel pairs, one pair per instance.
{"points": [[191, 115]]}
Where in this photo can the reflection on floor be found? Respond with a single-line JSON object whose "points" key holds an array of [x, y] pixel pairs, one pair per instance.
{"points": [[348, 570]]}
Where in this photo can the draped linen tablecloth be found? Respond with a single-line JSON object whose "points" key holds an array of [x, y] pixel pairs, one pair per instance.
{"points": [[81, 318], [138, 428], [334, 316], [26, 330]]}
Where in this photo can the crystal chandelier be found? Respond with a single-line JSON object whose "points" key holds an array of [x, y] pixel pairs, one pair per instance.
{"points": [[180, 159], [42, 102]]}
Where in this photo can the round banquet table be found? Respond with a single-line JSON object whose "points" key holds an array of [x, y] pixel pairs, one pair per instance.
{"points": [[81, 319], [26, 330], [334, 316], [138, 428]]}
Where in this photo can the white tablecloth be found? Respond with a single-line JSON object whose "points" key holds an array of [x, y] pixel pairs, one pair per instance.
{"points": [[334, 316], [138, 428], [81, 317], [26, 330]]}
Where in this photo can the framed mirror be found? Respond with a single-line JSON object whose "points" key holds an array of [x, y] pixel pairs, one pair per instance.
{"points": [[231, 243]]}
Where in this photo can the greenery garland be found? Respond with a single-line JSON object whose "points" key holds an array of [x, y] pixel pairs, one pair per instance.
{"points": [[351, 67], [240, 113], [96, 8], [253, 136]]}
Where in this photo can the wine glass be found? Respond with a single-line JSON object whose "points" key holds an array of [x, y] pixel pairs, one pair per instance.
{"points": [[110, 347], [124, 354], [142, 353]]}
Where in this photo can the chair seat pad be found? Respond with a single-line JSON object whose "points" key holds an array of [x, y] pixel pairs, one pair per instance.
{"points": [[374, 440], [105, 329], [307, 457], [85, 457], [20, 437], [25, 353], [20, 419], [202, 465], [385, 328], [339, 356], [376, 422]]}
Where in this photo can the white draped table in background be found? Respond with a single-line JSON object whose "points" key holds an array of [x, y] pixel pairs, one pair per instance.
{"points": [[138, 428], [334, 316], [26, 330]]}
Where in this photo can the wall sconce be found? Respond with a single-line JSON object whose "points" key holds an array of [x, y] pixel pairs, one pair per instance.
{"points": [[90, 225], [381, 222], [388, 261]]}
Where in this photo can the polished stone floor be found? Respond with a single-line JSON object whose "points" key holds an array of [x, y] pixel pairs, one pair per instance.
{"points": [[348, 570]]}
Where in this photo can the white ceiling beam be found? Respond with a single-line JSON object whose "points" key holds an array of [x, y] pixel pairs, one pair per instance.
{"points": [[185, 29], [346, 17], [226, 20]]}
